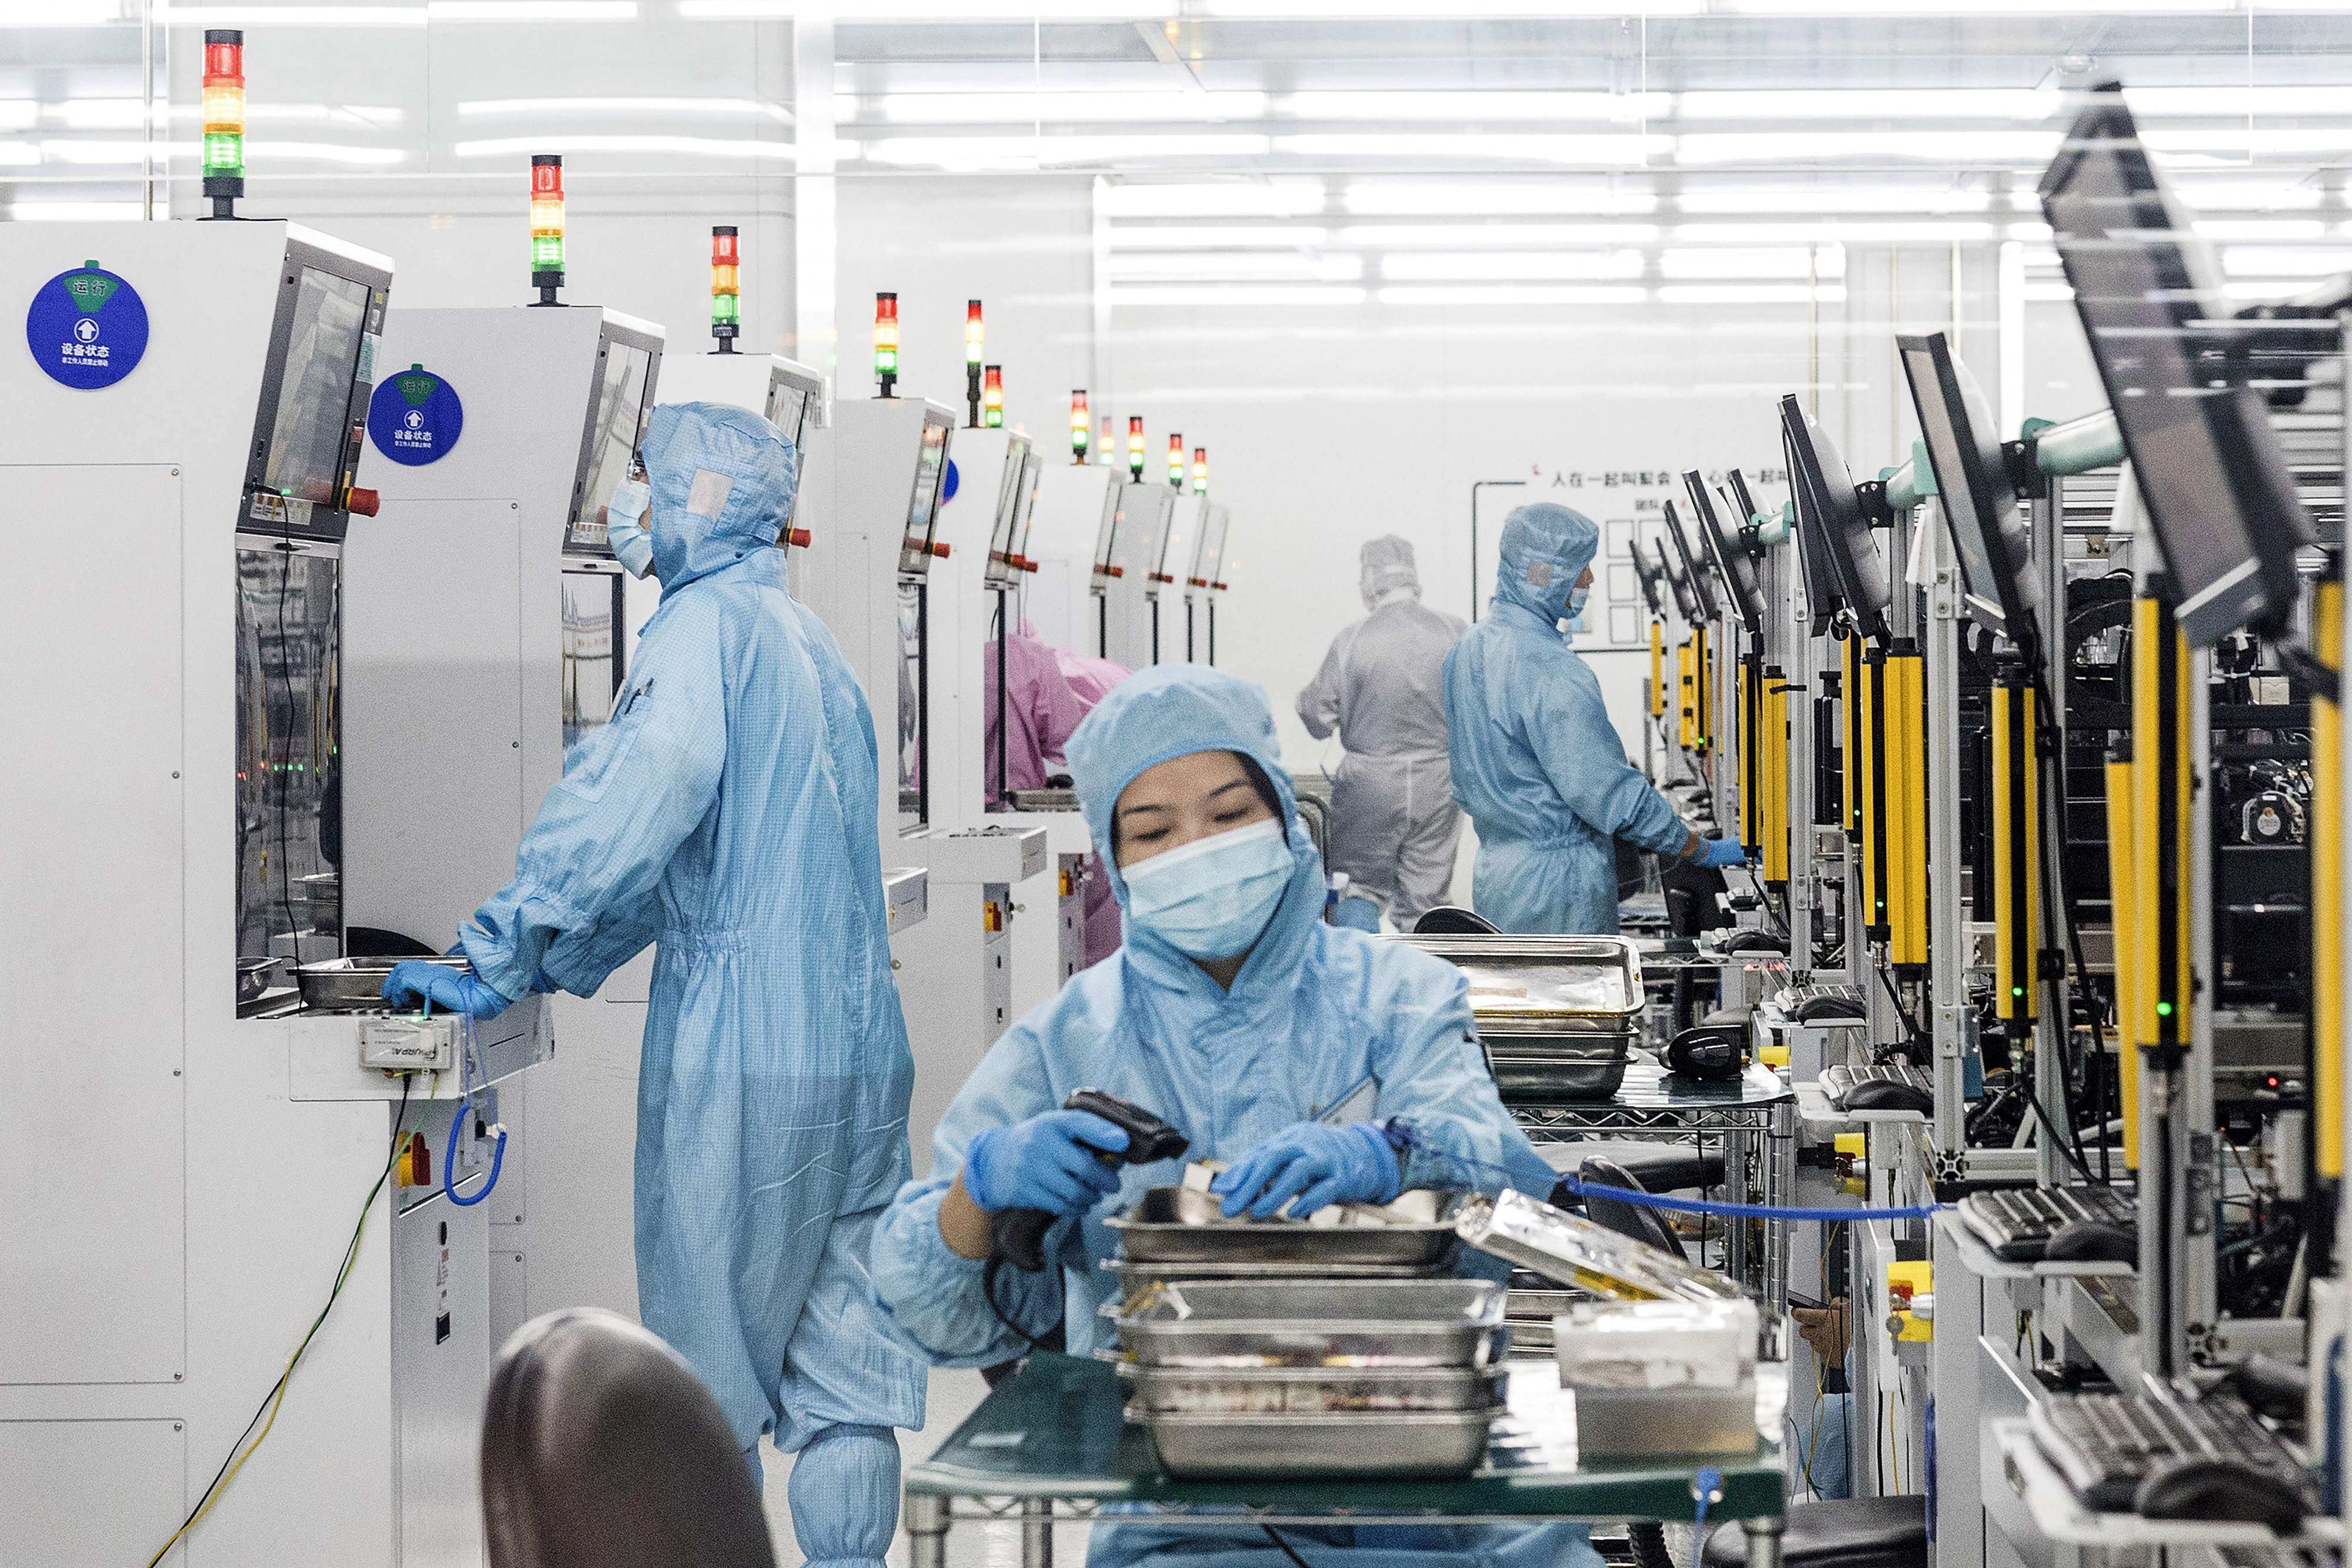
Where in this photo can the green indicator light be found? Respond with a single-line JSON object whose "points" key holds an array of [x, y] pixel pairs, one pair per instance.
{"points": [[886, 361], [224, 153], [724, 308], [547, 253], [2016, 990], [2164, 1010]]}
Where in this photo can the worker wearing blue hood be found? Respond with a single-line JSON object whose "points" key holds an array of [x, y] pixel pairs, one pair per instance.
{"points": [[1535, 761], [730, 798], [1235, 1013]]}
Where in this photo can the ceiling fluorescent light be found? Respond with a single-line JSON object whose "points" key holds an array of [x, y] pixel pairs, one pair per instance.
{"points": [[748, 108], [1237, 236], [2247, 195], [2259, 228], [686, 146], [1750, 293], [2007, 148], [1408, 236], [1436, 10], [1241, 266], [1930, 103], [36, 212], [268, 16], [1842, 232], [124, 153], [1900, 8], [869, 11], [1499, 105], [68, 14], [1509, 294], [530, 10], [1516, 147], [18, 156], [2285, 261], [1785, 261], [982, 152], [1222, 199], [1026, 108], [1238, 294], [1861, 199], [1464, 198], [2245, 139], [1476, 266]]}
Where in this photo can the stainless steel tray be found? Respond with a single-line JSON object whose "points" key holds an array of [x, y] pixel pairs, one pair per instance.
{"points": [[1177, 1224], [1324, 1323], [1134, 1275], [1311, 1391], [1573, 1250], [353, 985], [1369, 1443], [1541, 1305], [1546, 985], [1587, 1072]]}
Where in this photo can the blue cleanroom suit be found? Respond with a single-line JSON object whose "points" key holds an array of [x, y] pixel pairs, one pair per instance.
{"points": [[728, 813], [1535, 761], [1314, 1009]]}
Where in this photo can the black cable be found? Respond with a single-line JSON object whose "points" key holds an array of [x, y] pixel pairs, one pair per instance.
{"points": [[988, 1273], [1287, 1551], [285, 679], [342, 1277], [2050, 1129], [1909, 1022]]}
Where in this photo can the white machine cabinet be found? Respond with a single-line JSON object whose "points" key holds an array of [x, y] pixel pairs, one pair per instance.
{"points": [[188, 1148]]}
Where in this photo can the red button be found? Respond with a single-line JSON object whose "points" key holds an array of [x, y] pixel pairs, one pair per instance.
{"points": [[940, 550], [800, 537], [363, 502]]}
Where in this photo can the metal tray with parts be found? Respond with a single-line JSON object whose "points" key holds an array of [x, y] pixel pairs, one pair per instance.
{"points": [[1311, 1391], [1558, 1069], [1179, 1225], [1573, 1250], [1322, 1324], [1530, 989], [355, 985], [1418, 1443]]}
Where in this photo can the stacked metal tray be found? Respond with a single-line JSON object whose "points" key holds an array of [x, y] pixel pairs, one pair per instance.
{"points": [[1178, 1233], [1315, 1376], [354, 985], [1557, 1015]]}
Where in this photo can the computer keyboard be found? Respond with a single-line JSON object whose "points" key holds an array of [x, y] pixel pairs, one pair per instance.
{"points": [[2018, 1222], [1837, 1081], [2104, 1445], [1794, 998]]}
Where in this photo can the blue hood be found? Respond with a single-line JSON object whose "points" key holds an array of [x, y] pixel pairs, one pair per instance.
{"points": [[722, 480], [1545, 548], [1174, 710]]}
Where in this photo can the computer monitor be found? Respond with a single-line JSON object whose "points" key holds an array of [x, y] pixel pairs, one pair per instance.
{"points": [[1678, 582], [791, 397], [1980, 502], [1010, 498], [923, 506], [1652, 572], [626, 366], [303, 457], [1727, 545], [2218, 496], [1698, 575], [1829, 518]]}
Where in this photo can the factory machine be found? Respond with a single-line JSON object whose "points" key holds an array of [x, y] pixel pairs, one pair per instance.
{"points": [[232, 1153], [495, 450], [1070, 537], [1138, 541], [2048, 818], [1205, 585]]}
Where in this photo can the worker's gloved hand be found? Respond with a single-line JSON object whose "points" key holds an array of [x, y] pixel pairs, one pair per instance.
{"points": [[415, 983], [1315, 1166], [1716, 853], [1046, 1163], [1824, 1329]]}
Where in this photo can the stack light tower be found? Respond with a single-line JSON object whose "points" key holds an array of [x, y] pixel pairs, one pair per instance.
{"points": [[975, 336], [1081, 425], [1135, 449], [547, 225], [885, 343], [224, 119], [1176, 460], [726, 286]]}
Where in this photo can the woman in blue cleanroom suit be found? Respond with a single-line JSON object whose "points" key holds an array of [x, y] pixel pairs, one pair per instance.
{"points": [[1535, 761], [1235, 1013]]}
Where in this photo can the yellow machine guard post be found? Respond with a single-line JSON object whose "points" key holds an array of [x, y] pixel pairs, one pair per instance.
{"points": [[1752, 762], [2123, 859], [2015, 788], [1870, 765], [1686, 693], [2326, 904], [1657, 669], [1706, 672], [1856, 730], [1775, 782], [2160, 947], [1904, 732]]}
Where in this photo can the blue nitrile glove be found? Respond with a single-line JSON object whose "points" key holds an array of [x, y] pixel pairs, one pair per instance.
{"points": [[1046, 1163], [1717, 853], [1317, 1166], [414, 983]]}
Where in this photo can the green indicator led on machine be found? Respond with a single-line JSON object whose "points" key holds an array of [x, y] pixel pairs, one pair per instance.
{"points": [[2164, 1010], [725, 308], [547, 253], [224, 153], [2016, 990]]}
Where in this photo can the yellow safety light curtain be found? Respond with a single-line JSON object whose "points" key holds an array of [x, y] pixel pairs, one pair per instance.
{"points": [[2161, 803], [1706, 663], [1775, 782], [1870, 766], [1849, 758], [2016, 855], [1658, 670], [1905, 819], [1686, 693], [2326, 904], [2123, 861]]}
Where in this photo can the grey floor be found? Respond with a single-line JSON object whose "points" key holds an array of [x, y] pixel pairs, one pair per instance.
{"points": [[953, 1393]]}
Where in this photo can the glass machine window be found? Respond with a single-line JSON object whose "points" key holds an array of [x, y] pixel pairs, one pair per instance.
{"points": [[591, 652], [308, 437], [613, 435], [288, 788]]}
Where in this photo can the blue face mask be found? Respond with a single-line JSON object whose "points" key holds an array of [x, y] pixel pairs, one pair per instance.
{"points": [[624, 527], [1576, 600], [1212, 897]]}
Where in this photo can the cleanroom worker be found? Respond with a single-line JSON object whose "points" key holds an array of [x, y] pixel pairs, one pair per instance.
{"points": [[1393, 821], [1537, 763], [1235, 1013], [732, 795]]}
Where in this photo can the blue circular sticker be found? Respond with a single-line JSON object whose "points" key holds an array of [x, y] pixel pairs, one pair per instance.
{"points": [[953, 483], [87, 327], [414, 417]]}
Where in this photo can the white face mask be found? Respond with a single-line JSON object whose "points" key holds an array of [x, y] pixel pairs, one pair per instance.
{"points": [[1212, 898], [624, 527]]}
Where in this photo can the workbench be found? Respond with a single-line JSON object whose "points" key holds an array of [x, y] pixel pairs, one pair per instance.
{"points": [[1056, 1433]]}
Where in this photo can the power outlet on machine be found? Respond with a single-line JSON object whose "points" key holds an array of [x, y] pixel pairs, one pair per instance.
{"points": [[409, 1044]]}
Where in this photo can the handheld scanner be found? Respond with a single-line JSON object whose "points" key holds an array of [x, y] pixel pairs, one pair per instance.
{"points": [[1020, 1232]]}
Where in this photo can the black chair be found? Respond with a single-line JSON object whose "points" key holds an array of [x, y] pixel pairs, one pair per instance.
{"points": [[1451, 920], [602, 1449], [1634, 1219]]}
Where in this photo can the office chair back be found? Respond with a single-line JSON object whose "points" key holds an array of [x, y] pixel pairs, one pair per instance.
{"points": [[1625, 1218], [602, 1449]]}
